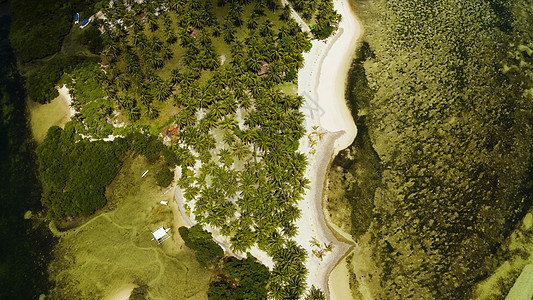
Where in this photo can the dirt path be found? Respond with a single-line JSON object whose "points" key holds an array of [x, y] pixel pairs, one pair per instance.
{"points": [[297, 18]]}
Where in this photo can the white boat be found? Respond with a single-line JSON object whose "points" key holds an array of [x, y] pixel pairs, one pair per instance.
{"points": [[85, 23], [77, 18]]}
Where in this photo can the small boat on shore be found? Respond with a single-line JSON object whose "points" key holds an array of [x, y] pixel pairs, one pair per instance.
{"points": [[77, 18], [85, 23]]}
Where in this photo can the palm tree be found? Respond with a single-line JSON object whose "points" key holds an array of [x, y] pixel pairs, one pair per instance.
{"points": [[175, 5], [225, 157], [285, 13], [253, 64], [252, 22], [315, 294], [186, 117], [234, 13], [152, 112], [175, 76], [144, 96], [151, 21], [229, 33], [170, 35], [185, 157], [162, 91], [133, 113], [123, 82], [243, 239]]}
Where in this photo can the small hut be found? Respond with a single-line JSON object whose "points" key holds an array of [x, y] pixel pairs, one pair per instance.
{"points": [[263, 70], [193, 32], [171, 131], [161, 235]]}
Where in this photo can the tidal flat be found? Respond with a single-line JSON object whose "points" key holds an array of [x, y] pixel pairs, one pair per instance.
{"points": [[439, 179]]}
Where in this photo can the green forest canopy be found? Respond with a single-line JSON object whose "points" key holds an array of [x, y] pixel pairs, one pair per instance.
{"points": [[157, 72], [75, 173], [39, 26]]}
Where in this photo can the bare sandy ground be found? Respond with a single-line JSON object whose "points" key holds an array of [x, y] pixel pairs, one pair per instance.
{"points": [[64, 93], [322, 83], [43, 116], [297, 17], [122, 293], [338, 280]]}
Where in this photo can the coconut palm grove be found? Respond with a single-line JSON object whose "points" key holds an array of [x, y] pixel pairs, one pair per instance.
{"points": [[207, 86]]}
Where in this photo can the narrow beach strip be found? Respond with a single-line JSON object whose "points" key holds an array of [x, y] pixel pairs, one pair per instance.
{"points": [[322, 83]]}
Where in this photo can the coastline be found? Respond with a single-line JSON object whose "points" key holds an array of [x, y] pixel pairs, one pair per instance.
{"points": [[322, 83], [65, 93], [331, 128]]}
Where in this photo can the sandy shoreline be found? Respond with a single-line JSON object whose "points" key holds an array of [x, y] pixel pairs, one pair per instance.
{"points": [[65, 93], [322, 82], [330, 128]]}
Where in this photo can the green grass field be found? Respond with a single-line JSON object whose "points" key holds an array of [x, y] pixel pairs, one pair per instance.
{"points": [[44, 116], [115, 248]]}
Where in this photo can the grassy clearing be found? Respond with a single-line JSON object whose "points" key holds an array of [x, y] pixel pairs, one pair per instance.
{"points": [[115, 249], [44, 116], [289, 88]]}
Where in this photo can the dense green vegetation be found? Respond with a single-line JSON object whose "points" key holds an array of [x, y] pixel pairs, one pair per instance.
{"points": [[321, 12], [442, 93], [192, 65], [92, 38], [41, 84], [240, 279], [164, 177], [75, 173], [208, 253], [238, 126], [39, 26]]}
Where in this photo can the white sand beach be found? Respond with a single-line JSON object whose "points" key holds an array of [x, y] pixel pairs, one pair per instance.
{"points": [[121, 293], [322, 82], [330, 128], [64, 92]]}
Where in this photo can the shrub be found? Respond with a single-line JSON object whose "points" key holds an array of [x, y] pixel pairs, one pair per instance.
{"points": [[164, 177], [207, 251]]}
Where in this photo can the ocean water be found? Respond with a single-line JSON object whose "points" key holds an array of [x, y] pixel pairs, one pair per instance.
{"points": [[24, 244]]}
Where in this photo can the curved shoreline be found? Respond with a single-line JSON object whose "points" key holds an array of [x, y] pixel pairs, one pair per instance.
{"points": [[322, 83], [333, 76]]}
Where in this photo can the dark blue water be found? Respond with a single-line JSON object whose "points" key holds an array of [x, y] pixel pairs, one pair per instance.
{"points": [[24, 244]]}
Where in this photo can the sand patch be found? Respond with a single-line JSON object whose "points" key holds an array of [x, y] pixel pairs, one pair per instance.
{"points": [[339, 279], [121, 293]]}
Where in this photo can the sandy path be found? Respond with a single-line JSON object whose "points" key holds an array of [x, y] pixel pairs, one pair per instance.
{"points": [[297, 17]]}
